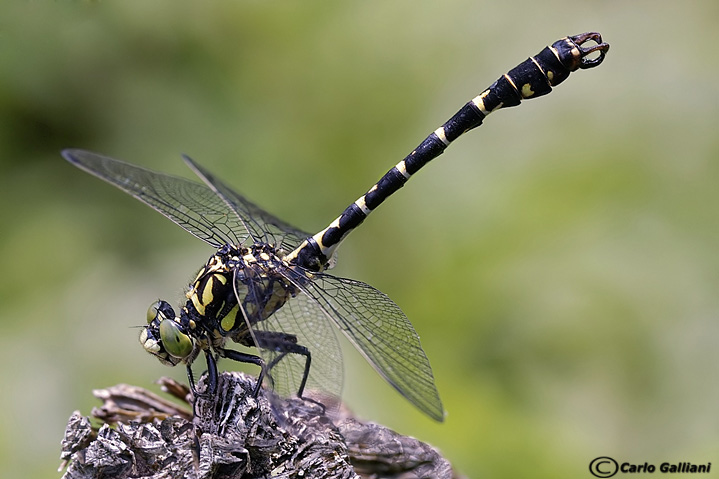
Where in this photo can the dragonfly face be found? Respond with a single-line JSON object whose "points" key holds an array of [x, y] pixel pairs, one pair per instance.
{"points": [[165, 337], [265, 287]]}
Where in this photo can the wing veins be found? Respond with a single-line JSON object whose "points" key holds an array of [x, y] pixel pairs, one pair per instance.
{"points": [[417, 385]]}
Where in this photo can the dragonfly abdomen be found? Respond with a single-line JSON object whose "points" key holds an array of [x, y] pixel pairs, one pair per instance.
{"points": [[530, 79]]}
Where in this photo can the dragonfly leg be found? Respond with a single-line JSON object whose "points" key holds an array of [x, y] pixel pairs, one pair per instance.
{"points": [[211, 376], [302, 350], [191, 378], [211, 373], [285, 344], [251, 359]]}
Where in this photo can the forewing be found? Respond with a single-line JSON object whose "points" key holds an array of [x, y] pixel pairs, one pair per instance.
{"points": [[192, 206], [262, 226], [382, 333]]}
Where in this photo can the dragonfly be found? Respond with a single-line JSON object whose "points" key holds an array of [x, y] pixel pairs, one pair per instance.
{"points": [[267, 286]]}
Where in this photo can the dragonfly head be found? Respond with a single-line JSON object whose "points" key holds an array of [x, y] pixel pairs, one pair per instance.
{"points": [[165, 337]]}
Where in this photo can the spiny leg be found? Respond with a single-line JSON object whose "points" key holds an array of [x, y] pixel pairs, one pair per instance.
{"points": [[285, 344], [301, 350], [294, 348], [211, 376], [212, 373], [250, 359], [211, 387]]}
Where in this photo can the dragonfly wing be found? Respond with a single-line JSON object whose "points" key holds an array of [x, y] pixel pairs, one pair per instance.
{"points": [[192, 206], [302, 319], [262, 226], [382, 333]]}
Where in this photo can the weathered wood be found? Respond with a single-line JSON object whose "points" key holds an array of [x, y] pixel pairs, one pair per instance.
{"points": [[234, 435]]}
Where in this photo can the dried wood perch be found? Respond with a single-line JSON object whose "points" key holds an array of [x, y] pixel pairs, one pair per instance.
{"points": [[233, 435]]}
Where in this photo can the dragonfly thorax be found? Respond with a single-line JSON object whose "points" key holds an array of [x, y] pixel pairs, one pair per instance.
{"points": [[237, 286]]}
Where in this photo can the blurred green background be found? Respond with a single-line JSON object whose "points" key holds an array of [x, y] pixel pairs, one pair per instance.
{"points": [[560, 263]]}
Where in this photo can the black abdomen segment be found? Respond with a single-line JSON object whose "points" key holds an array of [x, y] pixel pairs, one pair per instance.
{"points": [[532, 78]]}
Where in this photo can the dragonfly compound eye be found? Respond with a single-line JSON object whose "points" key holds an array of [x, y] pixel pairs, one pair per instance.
{"points": [[151, 341], [152, 311], [176, 342], [159, 310]]}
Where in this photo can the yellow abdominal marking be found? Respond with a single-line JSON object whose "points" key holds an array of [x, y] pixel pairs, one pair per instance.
{"points": [[441, 135], [509, 79], [402, 168], [527, 90], [479, 102], [363, 206]]}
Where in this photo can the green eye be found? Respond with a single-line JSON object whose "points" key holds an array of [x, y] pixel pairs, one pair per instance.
{"points": [[176, 342], [152, 311]]}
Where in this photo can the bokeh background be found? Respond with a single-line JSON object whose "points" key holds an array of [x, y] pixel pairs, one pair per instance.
{"points": [[560, 263]]}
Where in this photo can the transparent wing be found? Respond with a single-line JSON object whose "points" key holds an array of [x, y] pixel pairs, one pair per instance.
{"points": [[302, 318], [215, 214], [190, 205], [382, 333], [261, 225]]}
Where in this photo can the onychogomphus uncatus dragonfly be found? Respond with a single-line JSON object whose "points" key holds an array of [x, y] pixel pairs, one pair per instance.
{"points": [[266, 285]]}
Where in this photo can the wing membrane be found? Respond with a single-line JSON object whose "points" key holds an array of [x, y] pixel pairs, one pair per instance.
{"points": [[382, 333], [192, 206], [214, 214], [302, 318], [261, 225]]}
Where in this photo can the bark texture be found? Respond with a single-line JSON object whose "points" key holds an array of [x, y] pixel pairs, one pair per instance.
{"points": [[235, 435]]}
